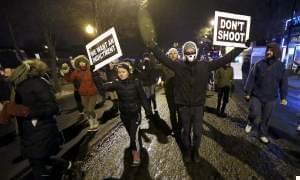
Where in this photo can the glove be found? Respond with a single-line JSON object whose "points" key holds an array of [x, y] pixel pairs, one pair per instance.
{"points": [[284, 102], [147, 28], [17, 109], [247, 98], [65, 69], [248, 43], [149, 116]]}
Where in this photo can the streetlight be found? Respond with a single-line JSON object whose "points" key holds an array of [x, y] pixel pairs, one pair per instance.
{"points": [[212, 22], [90, 29]]}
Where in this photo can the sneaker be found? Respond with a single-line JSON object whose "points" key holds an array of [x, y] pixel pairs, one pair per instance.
{"points": [[136, 159], [136, 163], [92, 129], [264, 139], [248, 128]]}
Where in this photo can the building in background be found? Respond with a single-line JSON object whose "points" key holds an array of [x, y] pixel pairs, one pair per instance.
{"points": [[291, 43]]}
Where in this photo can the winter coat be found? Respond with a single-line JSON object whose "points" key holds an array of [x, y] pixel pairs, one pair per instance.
{"points": [[224, 77], [130, 93], [147, 73], [190, 81], [266, 79], [36, 93], [83, 78]]}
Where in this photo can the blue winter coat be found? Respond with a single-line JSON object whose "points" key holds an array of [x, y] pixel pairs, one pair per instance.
{"points": [[267, 80]]}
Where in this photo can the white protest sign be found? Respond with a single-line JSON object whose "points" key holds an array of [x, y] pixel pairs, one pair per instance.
{"points": [[231, 29], [104, 49]]}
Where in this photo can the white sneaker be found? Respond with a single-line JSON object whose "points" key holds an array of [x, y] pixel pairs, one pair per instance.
{"points": [[248, 128], [264, 139], [298, 128]]}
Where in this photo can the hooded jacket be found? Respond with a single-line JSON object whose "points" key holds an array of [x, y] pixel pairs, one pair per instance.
{"points": [[190, 81], [84, 77], [36, 93], [267, 78]]}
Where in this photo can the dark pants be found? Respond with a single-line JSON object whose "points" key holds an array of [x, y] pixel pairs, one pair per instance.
{"points": [[78, 101], [264, 111], [40, 171], [223, 95], [152, 100], [132, 123], [191, 118], [173, 108]]}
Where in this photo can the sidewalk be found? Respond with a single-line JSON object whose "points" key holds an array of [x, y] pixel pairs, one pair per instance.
{"points": [[284, 119]]}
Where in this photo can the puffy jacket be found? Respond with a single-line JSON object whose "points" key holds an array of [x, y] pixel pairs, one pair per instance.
{"points": [[190, 81], [84, 78], [130, 93]]}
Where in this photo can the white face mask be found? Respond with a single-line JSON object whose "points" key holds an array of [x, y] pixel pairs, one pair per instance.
{"points": [[191, 58]]}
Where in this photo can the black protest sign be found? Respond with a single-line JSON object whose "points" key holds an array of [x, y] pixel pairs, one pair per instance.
{"points": [[104, 49], [231, 29]]}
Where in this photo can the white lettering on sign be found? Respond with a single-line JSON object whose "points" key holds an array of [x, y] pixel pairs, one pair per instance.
{"points": [[231, 29]]}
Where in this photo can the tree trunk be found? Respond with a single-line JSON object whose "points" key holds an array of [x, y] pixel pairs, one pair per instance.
{"points": [[53, 62]]}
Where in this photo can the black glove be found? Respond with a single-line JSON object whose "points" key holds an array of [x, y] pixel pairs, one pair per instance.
{"points": [[149, 116], [248, 43]]}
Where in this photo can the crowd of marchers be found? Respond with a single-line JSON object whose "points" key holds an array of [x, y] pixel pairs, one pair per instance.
{"points": [[130, 85]]}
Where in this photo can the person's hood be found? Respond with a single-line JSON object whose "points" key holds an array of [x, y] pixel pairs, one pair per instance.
{"points": [[276, 49], [81, 58], [28, 68]]}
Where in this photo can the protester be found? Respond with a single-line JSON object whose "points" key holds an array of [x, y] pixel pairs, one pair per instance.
{"points": [[40, 137], [266, 79], [76, 94], [224, 77], [168, 79], [131, 98], [191, 79], [87, 88], [148, 74]]}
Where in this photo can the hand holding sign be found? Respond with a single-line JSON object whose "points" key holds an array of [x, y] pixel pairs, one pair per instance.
{"points": [[231, 29]]}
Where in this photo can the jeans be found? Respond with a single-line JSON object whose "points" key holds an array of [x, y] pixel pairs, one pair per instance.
{"points": [[263, 110]]}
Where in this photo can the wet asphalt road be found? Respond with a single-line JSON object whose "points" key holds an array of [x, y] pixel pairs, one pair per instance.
{"points": [[227, 152]]}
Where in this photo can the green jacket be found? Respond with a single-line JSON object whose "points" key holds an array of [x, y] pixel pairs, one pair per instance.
{"points": [[224, 77]]}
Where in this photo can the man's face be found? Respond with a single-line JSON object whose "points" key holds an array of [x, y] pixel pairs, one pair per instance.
{"points": [[173, 55], [123, 73], [269, 53], [190, 54]]}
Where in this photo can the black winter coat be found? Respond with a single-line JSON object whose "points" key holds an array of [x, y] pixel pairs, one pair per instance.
{"points": [[190, 81], [130, 92], [42, 140], [147, 73]]}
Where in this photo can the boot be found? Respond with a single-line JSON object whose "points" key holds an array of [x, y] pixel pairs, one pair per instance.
{"points": [[196, 156], [187, 156], [223, 114], [136, 158]]}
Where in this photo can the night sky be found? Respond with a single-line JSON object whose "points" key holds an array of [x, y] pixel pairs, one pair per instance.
{"points": [[175, 20]]}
